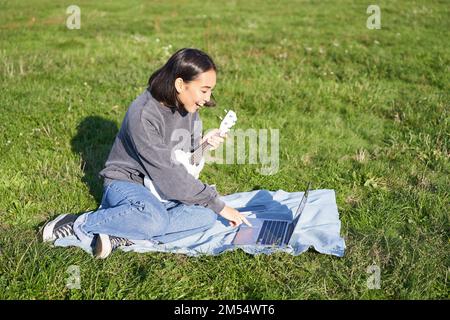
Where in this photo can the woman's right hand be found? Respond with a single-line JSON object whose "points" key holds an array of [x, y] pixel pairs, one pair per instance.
{"points": [[234, 216]]}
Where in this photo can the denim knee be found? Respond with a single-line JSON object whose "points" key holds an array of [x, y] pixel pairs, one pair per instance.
{"points": [[156, 220]]}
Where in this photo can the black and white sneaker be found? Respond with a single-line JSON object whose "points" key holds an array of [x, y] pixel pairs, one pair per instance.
{"points": [[106, 244], [60, 227]]}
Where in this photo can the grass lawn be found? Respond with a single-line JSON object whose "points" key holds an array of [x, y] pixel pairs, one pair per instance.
{"points": [[363, 112]]}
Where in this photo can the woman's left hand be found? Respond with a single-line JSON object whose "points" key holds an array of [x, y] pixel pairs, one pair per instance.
{"points": [[214, 138]]}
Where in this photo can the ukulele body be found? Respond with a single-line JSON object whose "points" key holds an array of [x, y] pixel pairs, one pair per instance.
{"points": [[185, 159]]}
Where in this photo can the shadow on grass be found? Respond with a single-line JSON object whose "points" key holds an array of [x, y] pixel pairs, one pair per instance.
{"points": [[93, 141]]}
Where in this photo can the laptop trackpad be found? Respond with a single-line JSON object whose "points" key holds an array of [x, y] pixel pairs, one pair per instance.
{"points": [[246, 234]]}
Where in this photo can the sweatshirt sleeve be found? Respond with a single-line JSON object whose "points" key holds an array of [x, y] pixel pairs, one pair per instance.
{"points": [[172, 179], [197, 131]]}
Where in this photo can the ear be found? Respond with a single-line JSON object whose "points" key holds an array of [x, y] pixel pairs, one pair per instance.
{"points": [[179, 85]]}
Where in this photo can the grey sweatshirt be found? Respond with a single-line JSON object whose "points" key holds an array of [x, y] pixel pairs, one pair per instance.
{"points": [[144, 146]]}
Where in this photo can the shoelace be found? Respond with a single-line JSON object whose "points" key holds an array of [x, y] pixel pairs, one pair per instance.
{"points": [[117, 242], [64, 231]]}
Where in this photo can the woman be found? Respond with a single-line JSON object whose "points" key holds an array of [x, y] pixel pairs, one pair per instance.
{"points": [[179, 204]]}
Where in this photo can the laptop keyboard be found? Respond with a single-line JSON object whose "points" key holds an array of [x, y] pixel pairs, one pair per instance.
{"points": [[272, 232]]}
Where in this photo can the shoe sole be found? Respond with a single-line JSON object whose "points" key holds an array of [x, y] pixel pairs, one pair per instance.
{"points": [[102, 247], [47, 231]]}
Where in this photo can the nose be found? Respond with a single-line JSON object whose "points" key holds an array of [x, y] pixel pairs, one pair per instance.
{"points": [[208, 98]]}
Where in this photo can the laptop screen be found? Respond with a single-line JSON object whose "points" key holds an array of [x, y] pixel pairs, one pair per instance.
{"points": [[301, 206]]}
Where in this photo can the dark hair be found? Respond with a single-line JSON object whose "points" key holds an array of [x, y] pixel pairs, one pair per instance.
{"points": [[187, 64]]}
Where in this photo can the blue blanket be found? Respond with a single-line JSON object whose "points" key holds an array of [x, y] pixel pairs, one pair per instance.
{"points": [[318, 227]]}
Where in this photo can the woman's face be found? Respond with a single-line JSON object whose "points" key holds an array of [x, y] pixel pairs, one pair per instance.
{"points": [[194, 94]]}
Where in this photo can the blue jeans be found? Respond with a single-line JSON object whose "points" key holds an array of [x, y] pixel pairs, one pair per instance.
{"points": [[131, 211]]}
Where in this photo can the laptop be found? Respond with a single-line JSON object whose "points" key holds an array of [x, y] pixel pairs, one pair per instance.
{"points": [[269, 232]]}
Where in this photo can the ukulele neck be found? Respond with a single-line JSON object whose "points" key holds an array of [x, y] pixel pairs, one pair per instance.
{"points": [[197, 155]]}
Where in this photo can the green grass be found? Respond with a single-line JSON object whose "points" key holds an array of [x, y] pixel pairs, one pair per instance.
{"points": [[363, 112]]}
